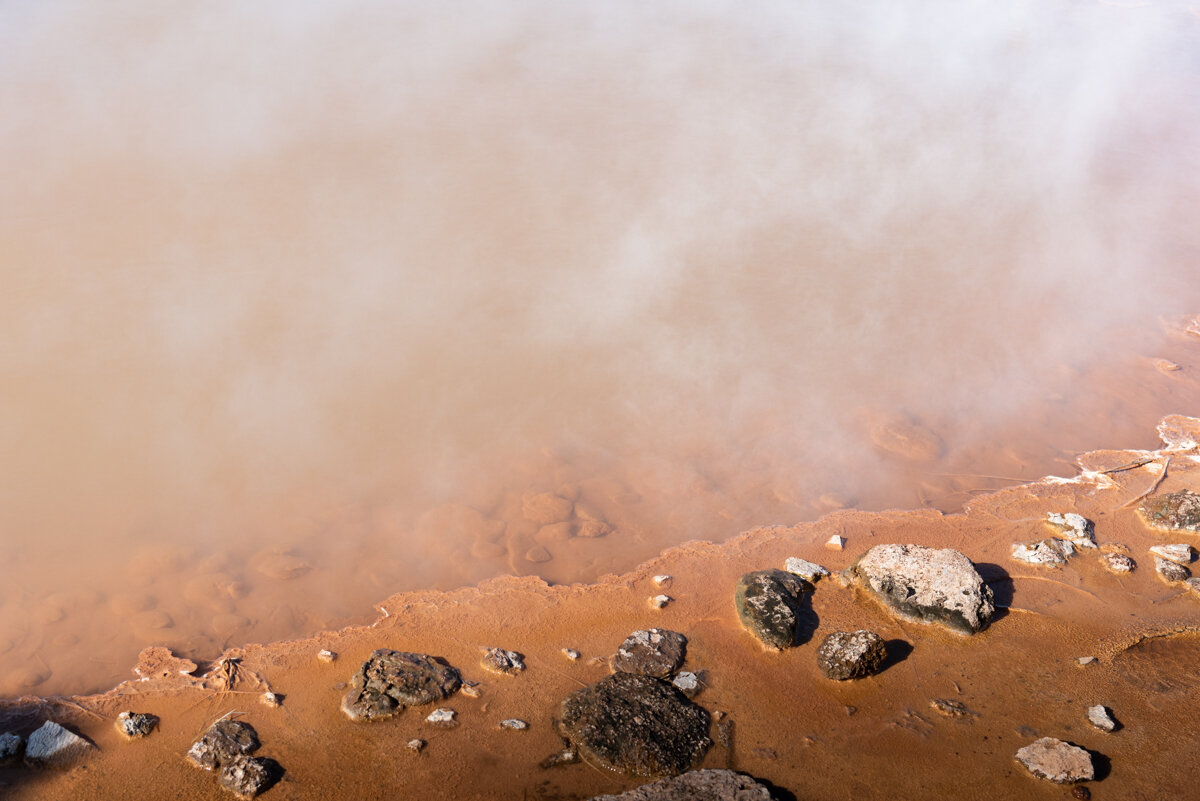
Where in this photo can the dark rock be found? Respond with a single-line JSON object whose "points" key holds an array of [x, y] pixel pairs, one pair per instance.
{"points": [[927, 584], [224, 740], [136, 724], [10, 748], [1057, 761], [248, 776], [392, 680], [768, 603], [54, 746], [697, 785], [635, 724], [1169, 571], [1175, 511], [851, 654], [653, 652]]}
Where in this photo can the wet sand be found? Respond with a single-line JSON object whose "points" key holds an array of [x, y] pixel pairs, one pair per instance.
{"points": [[784, 722]]}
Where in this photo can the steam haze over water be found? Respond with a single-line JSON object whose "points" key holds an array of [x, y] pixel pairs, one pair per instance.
{"points": [[278, 279]]}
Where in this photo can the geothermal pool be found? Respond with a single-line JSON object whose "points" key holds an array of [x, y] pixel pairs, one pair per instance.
{"points": [[302, 307]]}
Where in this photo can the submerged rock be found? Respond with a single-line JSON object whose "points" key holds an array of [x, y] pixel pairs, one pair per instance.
{"points": [[768, 603], [136, 724], [224, 740], [950, 708], [391, 680], [248, 776], [1176, 511], [514, 724], [1052, 552], [1169, 571], [653, 652], [1057, 761], [1119, 563], [442, 717], [809, 571], [697, 785], [851, 654], [1074, 528], [498, 660], [1193, 584], [635, 724], [930, 585], [54, 746], [1100, 717]]}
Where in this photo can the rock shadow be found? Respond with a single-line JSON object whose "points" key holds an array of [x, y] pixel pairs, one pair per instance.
{"points": [[807, 621], [777, 793], [1101, 764], [1001, 584], [897, 651]]}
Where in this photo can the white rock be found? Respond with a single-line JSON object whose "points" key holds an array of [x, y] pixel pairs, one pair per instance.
{"points": [[1101, 718], [1084, 661], [570, 653], [687, 682], [53, 745], [325, 655], [1179, 553], [662, 580], [513, 724], [1052, 552], [270, 699], [928, 584], [809, 571], [443, 717], [415, 745], [835, 543], [1074, 528], [1057, 761], [659, 601]]}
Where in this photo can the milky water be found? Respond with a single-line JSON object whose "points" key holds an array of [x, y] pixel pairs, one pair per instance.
{"points": [[306, 304]]}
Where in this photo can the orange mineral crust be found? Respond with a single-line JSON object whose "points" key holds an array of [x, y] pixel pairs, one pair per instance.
{"points": [[943, 719]]}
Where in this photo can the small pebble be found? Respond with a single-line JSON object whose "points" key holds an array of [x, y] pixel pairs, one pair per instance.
{"points": [[659, 601], [570, 653], [415, 745], [1119, 563], [470, 689], [270, 699], [326, 655], [809, 571], [499, 660], [687, 683], [1084, 661], [835, 543], [662, 580], [442, 717], [1081, 793], [513, 724], [1101, 718]]}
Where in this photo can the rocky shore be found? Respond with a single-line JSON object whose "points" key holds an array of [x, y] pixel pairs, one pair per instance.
{"points": [[1036, 639]]}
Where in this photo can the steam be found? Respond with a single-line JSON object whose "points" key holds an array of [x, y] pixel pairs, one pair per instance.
{"points": [[353, 249]]}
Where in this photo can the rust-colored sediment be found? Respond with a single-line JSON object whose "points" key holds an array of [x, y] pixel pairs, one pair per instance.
{"points": [[871, 738]]}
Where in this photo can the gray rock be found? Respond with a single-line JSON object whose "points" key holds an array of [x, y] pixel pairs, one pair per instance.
{"points": [[768, 603], [809, 571], [1074, 528], [498, 660], [635, 724], [851, 654], [246, 776], [1101, 717], [1051, 552], [391, 680], [697, 785], [926, 584], [1177, 511], [136, 724], [514, 724], [1119, 563], [652, 652], [1057, 761], [1169, 571], [224, 740], [10, 748], [1193, 584], [1179, 553], [687, 683], [54, 746]]}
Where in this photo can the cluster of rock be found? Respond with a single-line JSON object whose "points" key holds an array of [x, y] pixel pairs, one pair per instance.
{"points": [[391, 680], [226, 749], [52, 745], [697, 785], [640, 720]]}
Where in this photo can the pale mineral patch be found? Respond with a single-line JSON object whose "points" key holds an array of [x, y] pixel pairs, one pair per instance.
{"points": [[809, 571], [1179, 553]]}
